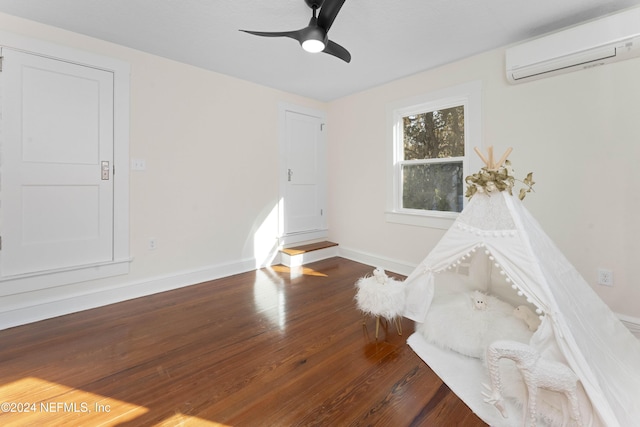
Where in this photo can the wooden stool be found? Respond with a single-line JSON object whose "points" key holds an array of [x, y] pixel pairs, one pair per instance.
{"points": [[396, 320]]}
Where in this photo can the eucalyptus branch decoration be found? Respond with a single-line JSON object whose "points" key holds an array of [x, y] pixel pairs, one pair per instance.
{"points": [[497, 177]]}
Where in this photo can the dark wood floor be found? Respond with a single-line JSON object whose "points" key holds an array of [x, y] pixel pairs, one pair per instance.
{"points": [[272, 347]]}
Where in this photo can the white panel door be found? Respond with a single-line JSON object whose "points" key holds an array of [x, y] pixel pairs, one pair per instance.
{"points": [[303, 200], [57, 157]]}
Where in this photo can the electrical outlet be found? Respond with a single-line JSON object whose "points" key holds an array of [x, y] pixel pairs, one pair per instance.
{"points": [[138, 164], [605, 277], [153, 244]]}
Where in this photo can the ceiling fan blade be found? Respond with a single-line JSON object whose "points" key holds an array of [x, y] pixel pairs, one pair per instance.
{"points": [[328, 13], [338, 51], [291, 34]]}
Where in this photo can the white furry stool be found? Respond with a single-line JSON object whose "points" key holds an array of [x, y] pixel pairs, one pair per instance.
{"points": [[381, 296]]}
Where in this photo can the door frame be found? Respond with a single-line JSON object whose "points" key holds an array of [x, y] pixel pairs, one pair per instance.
{"points": [[121, 257], [323, 232]]}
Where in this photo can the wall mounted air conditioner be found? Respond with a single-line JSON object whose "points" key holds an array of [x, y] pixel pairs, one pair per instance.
{"points": [[613, 38]]}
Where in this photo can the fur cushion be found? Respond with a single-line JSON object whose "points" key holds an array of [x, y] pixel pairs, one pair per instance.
{"points": [[455, 322], [380, 295]]}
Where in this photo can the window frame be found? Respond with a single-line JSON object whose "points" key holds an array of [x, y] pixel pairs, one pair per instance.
{"points": [[467, 95]]}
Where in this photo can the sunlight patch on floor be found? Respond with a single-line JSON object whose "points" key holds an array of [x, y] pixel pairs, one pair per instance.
{"points": [[37, 402], [297, 271], [270, 298], [187, 421], [33, 401]]}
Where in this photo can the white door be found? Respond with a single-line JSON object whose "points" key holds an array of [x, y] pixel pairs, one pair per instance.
{"points": [[57, 157], [304, 195]]}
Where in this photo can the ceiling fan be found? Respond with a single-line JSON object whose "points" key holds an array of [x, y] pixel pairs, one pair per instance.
{"points": [[313, 37]]}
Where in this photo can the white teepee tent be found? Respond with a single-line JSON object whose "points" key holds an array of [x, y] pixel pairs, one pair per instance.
{"points": [[577, 328]]}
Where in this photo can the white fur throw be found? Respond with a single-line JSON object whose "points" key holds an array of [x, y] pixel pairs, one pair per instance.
{"points": [[454, 322], [377, 297]]}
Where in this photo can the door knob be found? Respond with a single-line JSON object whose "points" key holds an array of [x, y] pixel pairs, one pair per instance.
{"points": [[104, 166]]}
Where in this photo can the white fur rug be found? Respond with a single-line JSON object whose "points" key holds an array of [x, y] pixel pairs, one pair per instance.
{"points": [[454, 322]]}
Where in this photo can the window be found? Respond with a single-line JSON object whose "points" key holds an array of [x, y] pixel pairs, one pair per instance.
{"points": [[431, 160], [432, 140]]}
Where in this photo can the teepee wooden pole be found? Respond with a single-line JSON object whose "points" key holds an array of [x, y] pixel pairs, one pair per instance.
{"points": [[489, 162], [504, 157], [482, 157], [491, 165]]}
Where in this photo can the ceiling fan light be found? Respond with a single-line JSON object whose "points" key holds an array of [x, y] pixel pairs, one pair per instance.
{"points": [[313, 38], [313, 45]]}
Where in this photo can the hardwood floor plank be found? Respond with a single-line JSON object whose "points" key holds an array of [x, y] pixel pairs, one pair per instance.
{"points": [[275, 347]]}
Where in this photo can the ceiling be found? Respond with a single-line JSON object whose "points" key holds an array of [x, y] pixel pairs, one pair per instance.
{"points": [[387, 39]]}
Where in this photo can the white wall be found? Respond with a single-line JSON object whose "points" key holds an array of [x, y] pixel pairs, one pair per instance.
{"points": [[210, 143], [211, 148], [579, 133]]}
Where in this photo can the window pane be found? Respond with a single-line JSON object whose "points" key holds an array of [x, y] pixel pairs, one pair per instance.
{"points": [[436, 187], [434, 135]]}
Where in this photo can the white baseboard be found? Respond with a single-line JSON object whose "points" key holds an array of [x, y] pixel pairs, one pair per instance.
{"points": [[39, 305], [389, 264], [305, 237]]}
